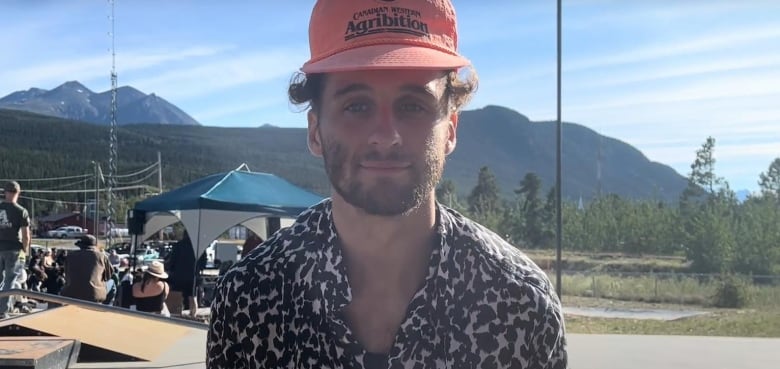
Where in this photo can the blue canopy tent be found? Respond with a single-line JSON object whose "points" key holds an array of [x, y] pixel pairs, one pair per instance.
{"points": [[211, 205]]}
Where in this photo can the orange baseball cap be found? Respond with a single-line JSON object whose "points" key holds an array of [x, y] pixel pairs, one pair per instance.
{"points": [[348, 35]]}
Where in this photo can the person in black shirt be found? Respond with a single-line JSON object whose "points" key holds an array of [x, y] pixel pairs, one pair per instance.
{"points": [[182, 268], [14, 241]]}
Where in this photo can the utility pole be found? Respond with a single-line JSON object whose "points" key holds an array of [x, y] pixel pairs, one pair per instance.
{"points": [[84, 208], [159, 172], [96, 220], [113, 143], [161, 233], [559, 164], [32, 214]]}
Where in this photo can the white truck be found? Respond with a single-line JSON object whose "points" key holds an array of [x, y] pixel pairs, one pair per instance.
{"points": [[66, 232]]}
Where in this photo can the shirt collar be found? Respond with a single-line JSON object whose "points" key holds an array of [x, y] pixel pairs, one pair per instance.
{"points": [[330, 278]]}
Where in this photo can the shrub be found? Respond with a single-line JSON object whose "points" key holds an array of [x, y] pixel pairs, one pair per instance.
{"points": [[732, 292]]}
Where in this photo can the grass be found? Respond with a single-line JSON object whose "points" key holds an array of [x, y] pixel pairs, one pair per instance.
{"points": [[610, 262], [726, 322], [678, 289]]}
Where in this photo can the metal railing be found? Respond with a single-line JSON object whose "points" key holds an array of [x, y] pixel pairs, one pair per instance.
{"points": [[38, 296]]}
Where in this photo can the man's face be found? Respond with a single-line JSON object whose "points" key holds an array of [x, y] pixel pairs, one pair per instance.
{"points": [[383, 136], [11, 196]]}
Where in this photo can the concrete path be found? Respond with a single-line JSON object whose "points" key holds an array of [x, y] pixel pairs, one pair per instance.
{"points": [[647, 314], [671, 352]]}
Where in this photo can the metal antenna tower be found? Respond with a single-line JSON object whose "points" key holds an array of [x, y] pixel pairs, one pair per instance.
{"points": [[112, 157]]}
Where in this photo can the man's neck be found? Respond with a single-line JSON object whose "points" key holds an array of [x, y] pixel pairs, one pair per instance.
{"points": [[389, 238], [386, 260]]}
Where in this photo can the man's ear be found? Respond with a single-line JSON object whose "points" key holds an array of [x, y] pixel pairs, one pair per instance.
{"points": [[452, 134], [314, 141]]}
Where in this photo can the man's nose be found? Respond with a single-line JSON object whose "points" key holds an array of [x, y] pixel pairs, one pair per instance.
{"points": [[385, 132]]}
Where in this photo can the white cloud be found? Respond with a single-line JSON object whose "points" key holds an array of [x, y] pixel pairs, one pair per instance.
{"points": [[636, 14], [216, 75], [721, 87], [687, 69], [216, 112], [700, 44], [52, 73]]}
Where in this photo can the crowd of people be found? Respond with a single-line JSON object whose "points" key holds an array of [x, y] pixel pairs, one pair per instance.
{"points": [[169, 286], [163, 287]]}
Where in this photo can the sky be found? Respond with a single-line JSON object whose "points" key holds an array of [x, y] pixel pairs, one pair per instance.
{"points": [[661, 75]]}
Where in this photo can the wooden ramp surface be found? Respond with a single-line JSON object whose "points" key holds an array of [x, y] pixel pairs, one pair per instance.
{"points": [[142, 338], [37, 352]]}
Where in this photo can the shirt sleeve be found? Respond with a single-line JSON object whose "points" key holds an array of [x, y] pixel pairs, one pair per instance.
{"points": [[25, 219], [550, 336], [222, 347]]}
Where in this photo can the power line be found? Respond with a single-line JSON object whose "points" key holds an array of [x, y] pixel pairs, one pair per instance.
{"points": [[49, 200], [45, 179], [61, 186], [153, 166], [135, 187], [137, 180]]}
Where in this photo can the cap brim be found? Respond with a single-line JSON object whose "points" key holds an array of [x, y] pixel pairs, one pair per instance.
{"points": [[386, 57]]}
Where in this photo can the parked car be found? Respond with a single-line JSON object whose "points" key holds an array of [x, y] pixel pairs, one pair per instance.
{"points": [[66, 232]]}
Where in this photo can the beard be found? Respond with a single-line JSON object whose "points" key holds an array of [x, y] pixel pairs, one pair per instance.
{"points": [[384, 196]]}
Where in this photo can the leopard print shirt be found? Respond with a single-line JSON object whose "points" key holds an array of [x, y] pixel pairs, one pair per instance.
{"points": [[484, 304]]}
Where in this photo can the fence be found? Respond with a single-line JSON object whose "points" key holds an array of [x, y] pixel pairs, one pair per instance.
{"points": [[676, 288]]}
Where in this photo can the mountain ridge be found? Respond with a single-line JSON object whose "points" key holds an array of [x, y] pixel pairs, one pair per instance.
{"points": [[507, 142], [72, 100]]}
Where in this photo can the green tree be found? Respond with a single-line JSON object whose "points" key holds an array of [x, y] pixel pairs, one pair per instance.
{"points": [[707, 216], [770, 180], [484, 202], [535, 228], [758, 236], [446, 193], [703, 167]]}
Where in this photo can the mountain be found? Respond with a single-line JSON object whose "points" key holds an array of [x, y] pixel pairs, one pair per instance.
{"points": [[74, 101], [512, 145], [742, 195], [35, 146]]}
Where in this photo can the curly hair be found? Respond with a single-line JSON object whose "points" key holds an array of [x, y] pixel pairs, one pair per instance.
{"points": [[305, 90]]}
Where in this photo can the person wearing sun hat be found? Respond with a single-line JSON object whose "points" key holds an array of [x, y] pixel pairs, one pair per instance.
{"points": [[151, 291], [381, 275], [86, 271]]}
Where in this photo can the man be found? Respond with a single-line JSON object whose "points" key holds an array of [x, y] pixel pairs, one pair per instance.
{"points": [[380, 275], [14, 241], [182, 272], [86, 272]]}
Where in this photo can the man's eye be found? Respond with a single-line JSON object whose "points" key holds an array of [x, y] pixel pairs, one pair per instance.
{"points": [[356, 108], [411, 107]]}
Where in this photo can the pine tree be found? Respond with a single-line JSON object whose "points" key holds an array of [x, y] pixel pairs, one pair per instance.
{"points": [[531, 210], [446, 193], [484, 200], [707, 215], [770, 180]]}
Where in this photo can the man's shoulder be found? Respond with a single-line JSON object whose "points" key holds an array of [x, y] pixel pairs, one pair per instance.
{"points": [[496, 256], [12, 205]]}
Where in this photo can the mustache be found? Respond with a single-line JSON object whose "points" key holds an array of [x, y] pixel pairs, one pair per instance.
{"points": [[375, 155]]}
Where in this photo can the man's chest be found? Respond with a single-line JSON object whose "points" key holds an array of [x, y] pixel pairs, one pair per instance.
{"points": [[374, 319], [433, 332]]}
